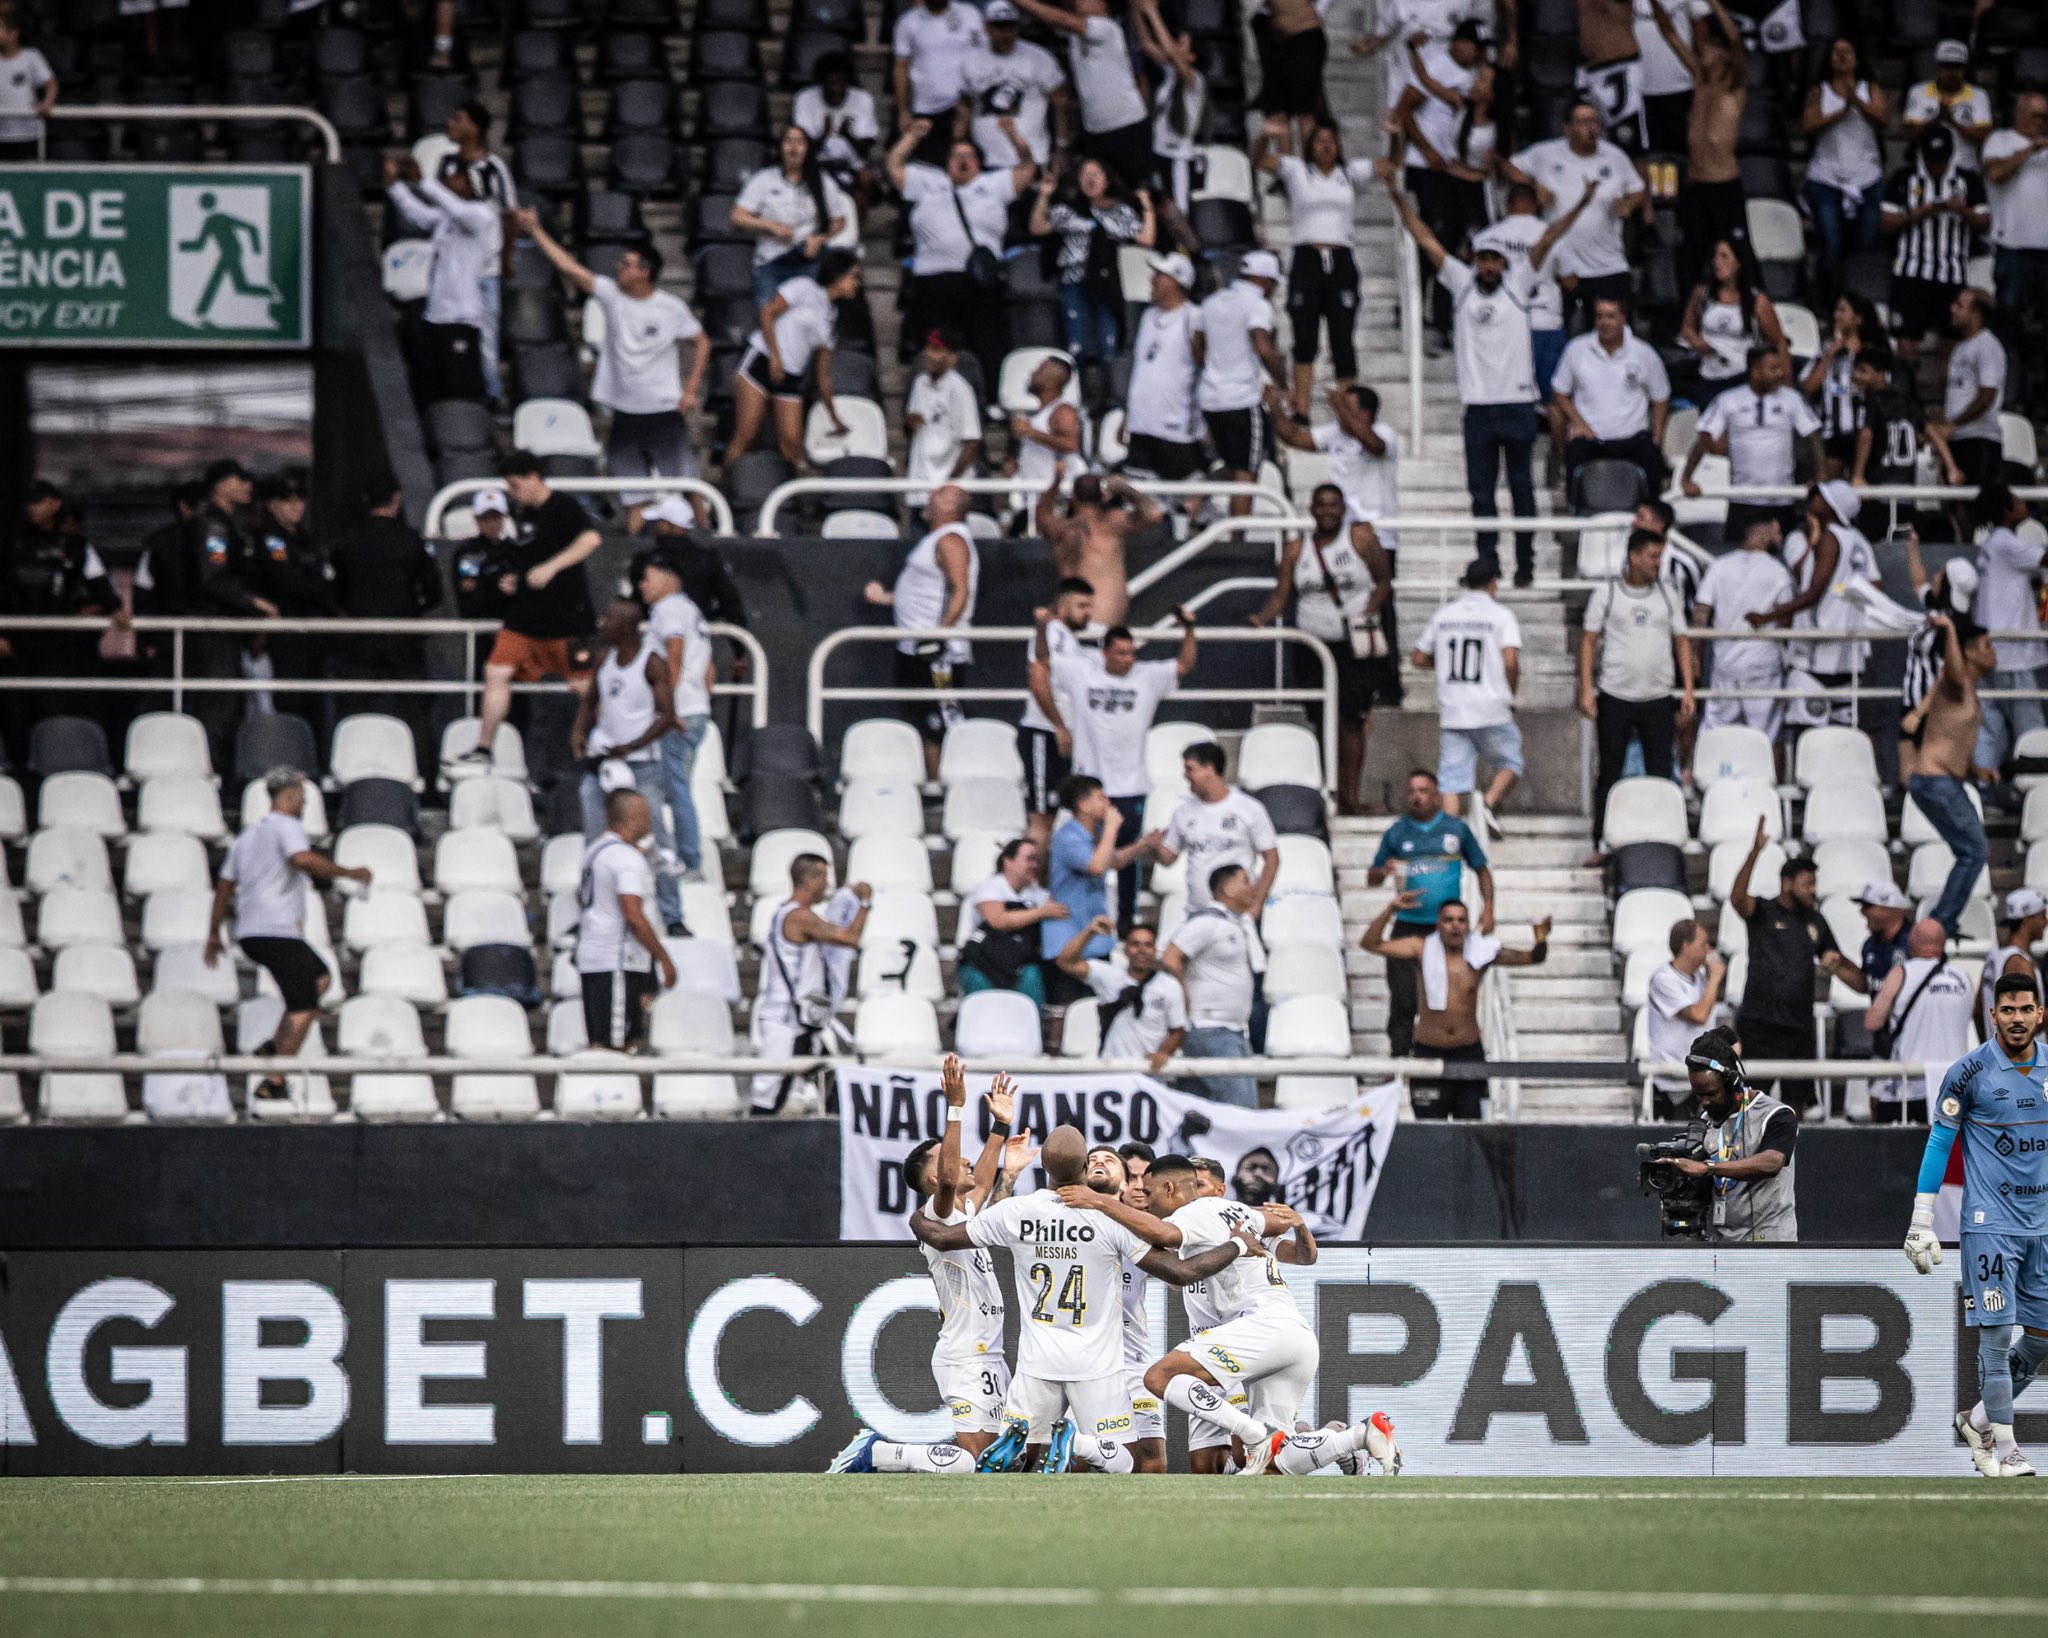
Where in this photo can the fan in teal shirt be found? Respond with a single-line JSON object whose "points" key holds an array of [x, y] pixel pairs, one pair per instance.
{"points": [[1432, 850]]}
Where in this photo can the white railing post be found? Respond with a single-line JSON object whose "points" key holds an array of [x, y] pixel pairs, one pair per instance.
{"points": [[1156, 488], [449, 494]]}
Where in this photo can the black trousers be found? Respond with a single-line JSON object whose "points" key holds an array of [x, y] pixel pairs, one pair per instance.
{"points": [[1615, 723], [1891, 1112], [953, 301], [1709, 211], [1762, 1040], [1578, 314], [1404, 991], [1127, 151], [1322, 290], [615, 1007], [1641, 451], [1133, 810], [1450, 1100]]}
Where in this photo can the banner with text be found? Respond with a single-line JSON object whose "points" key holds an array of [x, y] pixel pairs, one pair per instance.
{"points": [[155, 256], [1325, 1163]]}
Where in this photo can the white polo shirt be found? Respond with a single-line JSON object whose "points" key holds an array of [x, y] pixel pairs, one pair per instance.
{"points": [[1974, 364], [1322, 203], [1232, 376], [950, 416], [936, 45], [1613, 391], [1593, 246], [1223, 955], [1210, 835], [2019, 205], [2006, 566], [1762, 432], [1515, 237]]}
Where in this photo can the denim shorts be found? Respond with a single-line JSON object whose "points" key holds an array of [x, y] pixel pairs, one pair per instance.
{"points": [[1461, 750]]}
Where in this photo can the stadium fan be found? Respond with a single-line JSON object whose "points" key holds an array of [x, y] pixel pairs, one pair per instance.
{"points": [[28, 91], [839, 117], [2022, 920], [1090, 541], [2007, 562], [935, 588], [811, 937], [1232, 340], [1217, 955], [490, 180], [959, 217], [1084, 851], [1045, 735], [676, 624], [1181, 115], [209, 576], [1727, 315], [463, 230], [1614, 395], [50, 570], [1950, 590], [931, 43], [1845, 119], [1681, 998], [1712, 201], [942, 417], [792, 210], [1527, 241], [1956, 722], [1788, 940], [1923, 1010], [707, 581], [264, 879], [1934, 209], [1610, 71], [1474, 645], [1293, 50], [1008, 77], [1162, 427], [1340, 592], [295, 571], [1439, 139], [798, 329], [546, 592], [1828, 554], [1977, 372], [384, 570], [1950, 102], [1830, 380], [1452, 960], [2016, 169], [2005, 1234], [999, 925], [1090, 222], [1116, 126], [1143, 1011], [1428, 852], [1758, 426], [618, 951], [1045, 441], [1887, 912], [1592, 254], [621, 721], [1216, 825], [1322, 276], [639, 376], [1636, 676], [1739, 585]]}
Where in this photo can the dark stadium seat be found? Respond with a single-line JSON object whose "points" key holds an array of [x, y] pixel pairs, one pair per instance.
{"points": [[711, 222], [773, 801], [456, 465], [640, 106], [654, 16], [538, 53], [1037, 324], [856, 375], [277, 739], [604, 257], [1552, 17], [2028, 70], [1607, 486], [748, 16], [603, 217], [531, 317], [2009, 26], [631, 56], [531, 270], [245, 53], [800, 56], [338, 53], [1029, 280], [643, 163], [551, 13], [856, 466], [168, 142], [727, 318], [458, 423], [547, 371], [1645, 864], [1917, 23], [1296, 810], [749, 479], [68, 745], [500, 969], [380, 802], [731, 161], [432, 99], [784, 748], [548, 164], [1868, 274], [1552, 62], [1762, 127], [1209, 18], [355, 107], [1764, 176], [726, 55], [725, 270], [730, 109], [1221, 224], [545, 107]]}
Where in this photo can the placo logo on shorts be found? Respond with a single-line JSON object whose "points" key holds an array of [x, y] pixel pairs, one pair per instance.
{"points": [[1222, 1357], [219, 267]]}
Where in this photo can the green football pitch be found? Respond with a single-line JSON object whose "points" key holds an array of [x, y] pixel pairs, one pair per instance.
{"points": [[617, 1556]]}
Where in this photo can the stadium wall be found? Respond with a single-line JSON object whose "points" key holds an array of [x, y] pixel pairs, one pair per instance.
{"points": [[705, 1183], [1498, 1360]]}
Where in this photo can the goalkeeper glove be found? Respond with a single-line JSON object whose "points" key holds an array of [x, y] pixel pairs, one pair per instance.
{"points": [[1923, 1250]]}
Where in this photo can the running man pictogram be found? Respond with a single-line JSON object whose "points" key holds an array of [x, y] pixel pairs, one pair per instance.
{"points": [[227, 235]]}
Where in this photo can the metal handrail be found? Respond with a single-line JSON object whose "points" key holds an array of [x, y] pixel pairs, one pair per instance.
{"points": [[817, 692], [639, 1064], [449, 494], [755, 687], [113, 113], [783, 493]]}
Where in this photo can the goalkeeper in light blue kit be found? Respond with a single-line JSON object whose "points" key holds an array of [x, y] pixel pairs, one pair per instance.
{"points": [[1997, 1097]]}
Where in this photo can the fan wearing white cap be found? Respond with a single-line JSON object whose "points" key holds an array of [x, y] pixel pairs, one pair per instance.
{"points": [[1162, 427], [1887, 913], [1950, 99], [1829, 551], [2022, 921], [1233, 343]]}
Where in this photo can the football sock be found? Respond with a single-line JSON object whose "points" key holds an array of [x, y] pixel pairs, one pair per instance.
{"points": [[1199, 1399], [890, 1458], [2003, 1443], [1305, 1452], [1104, 1455], [2025, 1361], [1994, 1373]]}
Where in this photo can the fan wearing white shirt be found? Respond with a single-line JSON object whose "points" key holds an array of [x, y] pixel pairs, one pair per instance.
{"points": [[935, 588], [1233, 343], [1008, 78], [1043, 734], [463, 230], [1737, 586], [1045, 442], [799, 324], [1633, 661], [1615, 396], [639, 378], [1475, 648], [2016, 172], [1162, 426], [1217, 956], [1364, 452], [618, 951], [621, 719], [840, 117], [1758, 426], [1116, 124], [2008, 565], [1681, 999], [1977, 371], [1143, 1012], [1322, 278], [792, 211], [1216, 825], [931, 44], [942, 418], [28, 91], [677, 625], [1592, 253]]}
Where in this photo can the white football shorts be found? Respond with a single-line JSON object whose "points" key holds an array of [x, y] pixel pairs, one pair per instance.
{"points": [[1270, 1353], [1100, 1406], [1148, 1414], [974, 1390]]}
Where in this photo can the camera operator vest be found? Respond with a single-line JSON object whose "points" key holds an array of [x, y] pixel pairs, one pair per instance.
{"points": [[1757, 1208]]}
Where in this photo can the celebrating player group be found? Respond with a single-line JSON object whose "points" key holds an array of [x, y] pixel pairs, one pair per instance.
{"points": [[1087, 1391]]}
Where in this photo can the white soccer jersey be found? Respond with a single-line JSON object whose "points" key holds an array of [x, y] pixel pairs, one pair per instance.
{"points": [[970, 1299], [1069, 1275], [1137, 1331], [1247, 1284], [1469, 640]]}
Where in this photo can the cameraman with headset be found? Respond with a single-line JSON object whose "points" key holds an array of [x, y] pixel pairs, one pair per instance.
{"points": [[1748, 1143]]}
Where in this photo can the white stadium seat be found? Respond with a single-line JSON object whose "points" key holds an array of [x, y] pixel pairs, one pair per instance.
{"points": [[884, 968], [1916, 830], [18, 987], [568, 1030], [974, 860], [76, 1026], [1832, 757], [67, 857], [881, 807], [1279, 753], [1800, 324], [185, 803], [1849, 865], [256, 803], [1013, 379], [1164, 743], [776, 851], [706, 913], [1081, 1030], [104, 970], [465, 859], [998, 1024], [888, 861], [384, 916], [882, 748], [898, 915], [1304, 969], [88, 801], [370, 745], [1173, 910], [980, 747], [177, 1021], [1845, 811], [1637, 967], [1300, 918], [856, 523], [382, 1026], [388, 853], [982, 804], [697, 1097], [690, 1024], [2030, 746], [1309, 1026], [1312, 1091], [162, 860], [561, 864], [1645, 810], [606, 1088], [482, 916], [78, 915], [1977, 925], [160, 743], [491, 1026], [707, 966], [1726, 860], [1226, 173], [459, 738], [554, 426], [1305, 866], [184, 967], [310, 1095], [892, 1022], [1776, 231], [1643, 918], [494, 804], [412, 972], [866, 434], [1731, 807], [13, 810]]}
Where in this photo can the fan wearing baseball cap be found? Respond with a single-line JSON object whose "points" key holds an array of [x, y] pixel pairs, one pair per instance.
{"points": [[2022, 921], [1887, 912], [1233, 344], [1161, 425]]}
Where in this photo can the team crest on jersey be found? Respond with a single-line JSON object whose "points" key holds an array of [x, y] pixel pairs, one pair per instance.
{"points": [[1452, 844], [1951, 1106], [1223, 1358]]}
